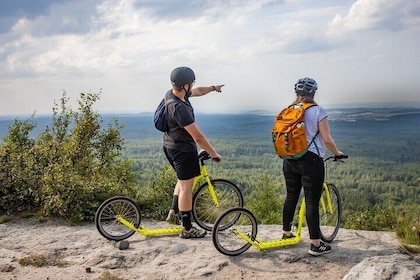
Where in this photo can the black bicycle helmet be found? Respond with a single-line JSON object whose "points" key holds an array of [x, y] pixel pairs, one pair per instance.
{"points": [[181, 76], [306, 87]]}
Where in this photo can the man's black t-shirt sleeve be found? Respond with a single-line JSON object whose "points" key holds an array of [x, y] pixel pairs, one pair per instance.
{"points": [[183, 114]]}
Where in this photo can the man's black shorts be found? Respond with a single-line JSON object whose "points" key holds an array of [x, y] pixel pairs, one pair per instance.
{"points": [[185, 164]]}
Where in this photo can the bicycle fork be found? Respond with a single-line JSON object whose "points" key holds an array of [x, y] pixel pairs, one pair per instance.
{"points": [[205, 175], [326, 203]]}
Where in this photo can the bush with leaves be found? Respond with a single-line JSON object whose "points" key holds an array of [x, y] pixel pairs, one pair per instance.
{"points": [[70, 168], [375, 218], [265, 201], [155, 199], [17, 176]]}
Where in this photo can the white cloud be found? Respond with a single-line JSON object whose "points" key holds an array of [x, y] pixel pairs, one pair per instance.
{"points": [[377, 14]]}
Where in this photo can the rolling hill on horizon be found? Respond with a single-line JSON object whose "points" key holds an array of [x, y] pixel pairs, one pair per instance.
{"points": [[252, 124]]}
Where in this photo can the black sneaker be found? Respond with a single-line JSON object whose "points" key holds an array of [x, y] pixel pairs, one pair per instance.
{"points": [[322, 249], [288, 236], [192, 233]]}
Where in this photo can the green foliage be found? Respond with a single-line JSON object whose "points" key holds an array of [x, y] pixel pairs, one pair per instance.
{"points": [[17, 178], [69, 169], [265, 201], [405, 223], [155, 198], [4, 219], [372, 219], [409, 232]]}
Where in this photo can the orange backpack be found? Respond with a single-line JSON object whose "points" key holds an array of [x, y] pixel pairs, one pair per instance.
{"points": [[288, 134]]}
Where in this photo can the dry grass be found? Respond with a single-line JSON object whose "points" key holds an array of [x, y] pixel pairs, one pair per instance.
{"points": [[106, 275], [42, 260]]}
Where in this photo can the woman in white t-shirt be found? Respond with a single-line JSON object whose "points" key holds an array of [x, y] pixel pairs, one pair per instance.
{"points": [[308, 171]]}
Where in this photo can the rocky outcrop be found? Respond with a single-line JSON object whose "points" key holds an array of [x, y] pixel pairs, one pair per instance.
{"points": [[80, 252]]}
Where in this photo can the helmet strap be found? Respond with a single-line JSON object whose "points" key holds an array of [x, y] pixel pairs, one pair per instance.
{"points": [[187, 91]]}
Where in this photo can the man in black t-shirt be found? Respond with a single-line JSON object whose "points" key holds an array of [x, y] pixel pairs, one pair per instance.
{"points": [[180, 145]]}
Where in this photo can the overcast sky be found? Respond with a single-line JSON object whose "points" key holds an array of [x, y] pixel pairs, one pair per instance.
{"points": [[358, 51]]}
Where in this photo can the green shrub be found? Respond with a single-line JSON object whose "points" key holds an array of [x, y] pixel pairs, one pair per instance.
{"points": [[265, 201], [4, 219], [16, 174], [372, 219], [409, 233], [155, 198], [378, 219], [69, 169]]}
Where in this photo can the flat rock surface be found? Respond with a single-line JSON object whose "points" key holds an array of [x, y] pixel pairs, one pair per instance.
{"points": [[80, 252]]}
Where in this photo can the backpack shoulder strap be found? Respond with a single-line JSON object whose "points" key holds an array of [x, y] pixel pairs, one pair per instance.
{"points": [[307, 105], [301, 105], [168, 101]]}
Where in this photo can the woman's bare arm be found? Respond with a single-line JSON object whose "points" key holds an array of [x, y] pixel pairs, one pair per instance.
{"points": [[324, 130]]}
